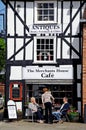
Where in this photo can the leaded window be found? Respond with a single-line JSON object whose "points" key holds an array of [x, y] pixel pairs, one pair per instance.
{"points": [[44, 49]]}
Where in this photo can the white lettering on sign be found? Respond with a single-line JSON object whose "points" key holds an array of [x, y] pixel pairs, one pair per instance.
{"points": [[42, 28], [48, 72]]}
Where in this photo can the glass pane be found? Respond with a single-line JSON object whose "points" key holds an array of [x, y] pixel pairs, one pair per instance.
{"points": [[38, 47], [51, 41], [51, 5], [47, 41], [40, 18], [45, 5], [38, 41], [51, 12], [45, 12], [42, 41], [51, 18], [39, 12], [45, 18], [51, 46], [39, 5]]}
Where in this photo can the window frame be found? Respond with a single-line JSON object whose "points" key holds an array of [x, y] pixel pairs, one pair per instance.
{"points": [[35, 50], [55, 14]]}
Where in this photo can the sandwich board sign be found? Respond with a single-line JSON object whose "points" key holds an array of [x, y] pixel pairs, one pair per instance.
{"points": [[12, 111]]}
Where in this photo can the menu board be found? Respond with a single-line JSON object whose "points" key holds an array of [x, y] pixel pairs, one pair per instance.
{"points": [[12, 111]]}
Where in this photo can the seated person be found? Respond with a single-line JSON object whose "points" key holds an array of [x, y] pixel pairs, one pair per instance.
{"points": [[34, 107], [63, 110]]}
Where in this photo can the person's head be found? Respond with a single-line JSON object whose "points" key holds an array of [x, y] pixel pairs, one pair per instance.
{"points": [[45, 90], [33, 100], [65, 99]]}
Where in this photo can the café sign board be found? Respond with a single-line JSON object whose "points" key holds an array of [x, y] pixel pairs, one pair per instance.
{"points": [[12, 111], [45, 28], [47, 72]]}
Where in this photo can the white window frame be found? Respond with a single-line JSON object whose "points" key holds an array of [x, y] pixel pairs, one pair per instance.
{"points": [[55, 12], [35, 50]]}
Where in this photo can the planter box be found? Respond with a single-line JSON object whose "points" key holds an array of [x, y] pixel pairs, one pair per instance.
{"points": [[74, 117]]}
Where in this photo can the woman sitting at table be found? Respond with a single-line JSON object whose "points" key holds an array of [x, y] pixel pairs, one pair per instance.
{"points": [[35, 109]]}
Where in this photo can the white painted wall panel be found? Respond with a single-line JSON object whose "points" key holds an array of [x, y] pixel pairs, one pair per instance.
{"points": [[66, 50], [59, 12], [10, 47], [79, 71], [78, 90], [79, 107], [19, 25], [29, 14], [29, 51], [19, 44], [75, 27], [66, 16], [75, 44], [16, 73], [58, 48], [10, 20]]}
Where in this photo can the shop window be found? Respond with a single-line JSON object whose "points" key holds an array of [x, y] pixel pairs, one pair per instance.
{"points": [[16, 91], [44, 50], [45, 11]]}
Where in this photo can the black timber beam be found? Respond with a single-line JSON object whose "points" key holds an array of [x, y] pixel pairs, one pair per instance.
{"points": [[72, 48], [21, 49], [30, 62], [18, 16], [82, 4]]}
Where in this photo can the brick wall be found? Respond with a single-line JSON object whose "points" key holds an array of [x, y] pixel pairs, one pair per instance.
{"points": [[84, 68]]}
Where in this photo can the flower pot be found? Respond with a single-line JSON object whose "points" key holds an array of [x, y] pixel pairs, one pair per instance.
{"points": [[74, 117], [19, 116]]}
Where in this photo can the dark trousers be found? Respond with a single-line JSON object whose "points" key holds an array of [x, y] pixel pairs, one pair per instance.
{"points": [[39, 115], [48, 112]]}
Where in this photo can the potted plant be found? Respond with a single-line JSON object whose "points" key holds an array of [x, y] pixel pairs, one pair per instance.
{"points": [[73, 114]]}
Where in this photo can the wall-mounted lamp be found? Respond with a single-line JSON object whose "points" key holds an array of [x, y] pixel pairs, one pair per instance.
{"points": [[18, 8]]}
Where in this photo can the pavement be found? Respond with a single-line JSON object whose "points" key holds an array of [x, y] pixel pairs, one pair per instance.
{"points": [[26, 125]]}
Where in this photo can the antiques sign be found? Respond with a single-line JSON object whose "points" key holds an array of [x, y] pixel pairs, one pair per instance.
{"points": [[35, 72], [45, 28]]}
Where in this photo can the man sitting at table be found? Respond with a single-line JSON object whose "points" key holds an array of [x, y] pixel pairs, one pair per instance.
{"points": [[62, 111]]}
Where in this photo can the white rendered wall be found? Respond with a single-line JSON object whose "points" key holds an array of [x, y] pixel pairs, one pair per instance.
{"points": [[10, 20], [19, 25], [10, 47]]}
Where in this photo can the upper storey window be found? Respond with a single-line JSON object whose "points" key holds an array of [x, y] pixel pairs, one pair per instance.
{"points": [[45, 12]]}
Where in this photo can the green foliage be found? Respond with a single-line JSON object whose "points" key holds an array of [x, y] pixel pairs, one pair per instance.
{"points": [[2, 56]]}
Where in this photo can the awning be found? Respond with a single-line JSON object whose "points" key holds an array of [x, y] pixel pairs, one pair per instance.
{"points": [[63, 81]]}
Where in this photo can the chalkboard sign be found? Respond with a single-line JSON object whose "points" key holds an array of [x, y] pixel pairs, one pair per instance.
{"points": [[16, 92], [12, 111]]}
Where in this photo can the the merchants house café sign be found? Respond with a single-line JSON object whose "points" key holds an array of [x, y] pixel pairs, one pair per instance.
{"points": [[45, 28], [34, 72]]}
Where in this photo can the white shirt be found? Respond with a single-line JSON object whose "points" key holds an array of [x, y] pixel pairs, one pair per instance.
{"points": [[33, 107], [47, 97]]}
